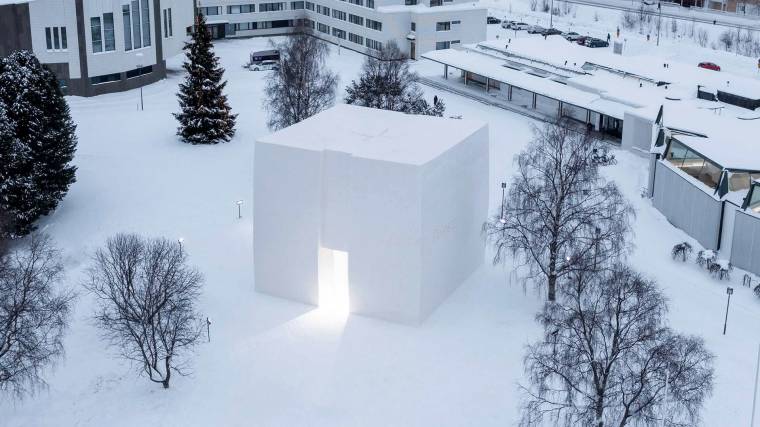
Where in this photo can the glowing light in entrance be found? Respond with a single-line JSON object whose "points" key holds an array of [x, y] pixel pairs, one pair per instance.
{"points": [[333, 281]]}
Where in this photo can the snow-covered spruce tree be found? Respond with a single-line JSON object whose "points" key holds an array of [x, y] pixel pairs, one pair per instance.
{"points": [[607, 357], [559, 209], [37, 142], [206, 117], [387, 83], [302, 86], [34, 314], [147, 295]]}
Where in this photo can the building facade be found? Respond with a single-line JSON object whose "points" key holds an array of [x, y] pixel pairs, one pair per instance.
{"points": [[361, 25], [98, 46]]}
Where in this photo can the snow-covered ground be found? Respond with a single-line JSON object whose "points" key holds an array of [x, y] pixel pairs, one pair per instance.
{"points": [[274, 362]]}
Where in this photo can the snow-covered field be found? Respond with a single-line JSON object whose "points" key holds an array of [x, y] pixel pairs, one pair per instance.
{"points": [[274, 362]]}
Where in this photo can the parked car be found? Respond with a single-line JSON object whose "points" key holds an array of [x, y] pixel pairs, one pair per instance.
{"points": [[265, 65], [582, 40], [507, 24], [550, 32], [571, 36], [709, 66], [518, 26], [535, 29], [592, 42], [492, 20]]}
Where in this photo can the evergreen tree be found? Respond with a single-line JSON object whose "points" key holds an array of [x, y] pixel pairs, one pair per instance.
{"points": [[387, 83], [206, 117], [37, 142]]}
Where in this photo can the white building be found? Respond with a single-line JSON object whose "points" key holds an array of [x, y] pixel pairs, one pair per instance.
{"points": [[361, 25], [99, 46], [399, 199]]}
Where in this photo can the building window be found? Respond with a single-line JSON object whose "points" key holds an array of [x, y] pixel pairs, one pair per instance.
{"points": [[414, 26], [168, 23], [410, 2], [354, 19], [96, 80], [323, 10], [309, 6], [455, 42], [108, 32], [145, 9], [456, 22], [271, 7], [127, 24], [97, 35], [339, 14], [373, 44], [308, 23], [694, 164], [443, 26], [355, 38], [139, 71], [337, 32], [434, 3], [322, 28], [210, 11], [241, 8], [357, 2], [374, 25], [55, 38], [442, 45], [136, 33], [371, 4], [296, 5]]}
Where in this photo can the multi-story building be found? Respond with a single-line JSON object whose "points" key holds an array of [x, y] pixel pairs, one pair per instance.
{"points": [[361, 25], [98, 46]]}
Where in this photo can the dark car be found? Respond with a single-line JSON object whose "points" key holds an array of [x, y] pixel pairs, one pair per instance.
{"points": [[591, 42], [535, 29], [582, 40], [550, 32], [492, 20], [709, 66]]}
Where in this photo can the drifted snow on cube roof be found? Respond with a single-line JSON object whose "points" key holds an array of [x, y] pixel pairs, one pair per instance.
{"points": [[376, 134]]}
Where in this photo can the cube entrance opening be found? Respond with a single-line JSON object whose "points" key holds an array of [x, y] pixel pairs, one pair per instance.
{"points": [[333, 281]]}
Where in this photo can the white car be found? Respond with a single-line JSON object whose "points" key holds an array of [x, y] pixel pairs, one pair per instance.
{"points": [[265, 65], [519, 26]]}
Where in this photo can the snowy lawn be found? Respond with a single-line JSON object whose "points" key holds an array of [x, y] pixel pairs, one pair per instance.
{"points": [[273, 362]]}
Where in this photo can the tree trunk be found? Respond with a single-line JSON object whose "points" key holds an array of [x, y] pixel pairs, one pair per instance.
{"points": [[167, 366], [552, 272]]}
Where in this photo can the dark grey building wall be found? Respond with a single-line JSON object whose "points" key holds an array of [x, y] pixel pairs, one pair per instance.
{"points": [[15, 28]]}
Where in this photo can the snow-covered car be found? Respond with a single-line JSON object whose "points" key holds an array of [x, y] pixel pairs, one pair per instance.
{"points": [[535, 29], [551, 32], [265, 65], [519, 26], [493, 20], [507, 25], [571, 36]]}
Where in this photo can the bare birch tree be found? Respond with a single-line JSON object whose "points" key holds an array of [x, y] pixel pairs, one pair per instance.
{"points": [[34, 314], [559, 208], [608, 359], [302, 85], [147, 295]]}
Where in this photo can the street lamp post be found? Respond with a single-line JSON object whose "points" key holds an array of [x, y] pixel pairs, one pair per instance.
{"points": [[551, 15], [503, 218], [139, 56], [729, 291], [239, 203]]}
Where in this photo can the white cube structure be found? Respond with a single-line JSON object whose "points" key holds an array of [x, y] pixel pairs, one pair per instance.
{"points": [[404, 196]]}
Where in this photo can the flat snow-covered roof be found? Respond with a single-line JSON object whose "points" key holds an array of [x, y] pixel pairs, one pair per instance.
{"points": [[376, 134]]}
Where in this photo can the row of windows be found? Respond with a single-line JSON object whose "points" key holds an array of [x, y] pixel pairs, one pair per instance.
{"points": [[296, 5], [445, 26], [115, 77], [355, 38], [373, 44], [271, 7], [241, 8], [323, 10], [322, 28], [355, 19], [55, 38], [102, 31], [341, 34], [445, 45], [262, 25], [374, 25], [339, 14]]}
